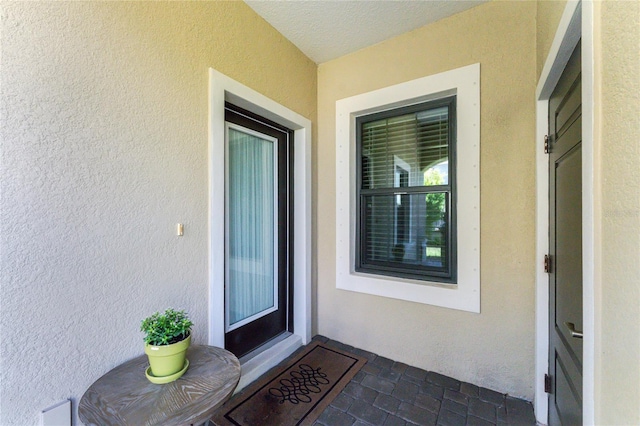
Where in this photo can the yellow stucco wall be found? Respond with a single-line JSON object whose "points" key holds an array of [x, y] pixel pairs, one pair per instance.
{"points": [[548, 17], [617, 140], [104, 149], [617, 201], [493, 349]]}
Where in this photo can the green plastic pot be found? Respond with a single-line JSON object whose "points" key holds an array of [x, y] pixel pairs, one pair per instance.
{"points": [[167, 360]]}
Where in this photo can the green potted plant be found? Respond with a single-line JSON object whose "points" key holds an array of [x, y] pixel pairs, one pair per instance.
{"points": [[167, 337]]}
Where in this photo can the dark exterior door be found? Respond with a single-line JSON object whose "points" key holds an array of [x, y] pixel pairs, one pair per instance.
{"points": [[257, 232], [565, 246]]}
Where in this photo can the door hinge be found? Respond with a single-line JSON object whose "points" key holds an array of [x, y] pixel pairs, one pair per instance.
{"points": [[546, 144], [547, 263], [547, 383]]}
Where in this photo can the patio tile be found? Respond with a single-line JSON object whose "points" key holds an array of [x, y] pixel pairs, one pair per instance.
{"points": [[433, 390], [518, 411], [399, 367], [417, 373], [405, 391], [365, 354], [360, 375], [387, 403], [357, 391], [390, 393], [366, 412], [450, 405], [382, 362], [342, 402], [477, 421], [430, 403], [469, 389], [334, 417], [389, 374], [371, 369], [339, 345], [394, 421], [491, 396], [501, 414], [456, 396], [444, 381], [380, 385], [449, 418], [482, 409], [416, 414]]}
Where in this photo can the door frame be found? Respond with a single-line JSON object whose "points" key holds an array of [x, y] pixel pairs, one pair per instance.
{"points": [[221, 89], [577, 22]]}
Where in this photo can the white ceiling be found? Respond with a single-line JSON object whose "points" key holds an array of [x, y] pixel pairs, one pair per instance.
{"points": [[328, 29]]}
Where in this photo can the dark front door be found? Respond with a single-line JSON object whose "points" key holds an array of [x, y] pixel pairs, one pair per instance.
{"points": [[257, 234], [565, 246]]}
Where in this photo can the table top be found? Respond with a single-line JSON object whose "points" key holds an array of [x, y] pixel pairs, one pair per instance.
{"points": [[124, 396]]}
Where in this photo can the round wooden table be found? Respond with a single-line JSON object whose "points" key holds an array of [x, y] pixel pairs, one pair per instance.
{"points": [[124, 396]]}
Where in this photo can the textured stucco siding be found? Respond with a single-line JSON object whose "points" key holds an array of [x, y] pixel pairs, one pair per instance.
{"points": [[617, 142], [104, 149], [548, 16], [495, 348]]}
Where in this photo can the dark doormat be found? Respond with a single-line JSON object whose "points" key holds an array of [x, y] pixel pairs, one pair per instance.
{"points": [[294, 394]]}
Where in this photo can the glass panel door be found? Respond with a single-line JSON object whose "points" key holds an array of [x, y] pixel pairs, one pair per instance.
{"points": [[251, 226]]}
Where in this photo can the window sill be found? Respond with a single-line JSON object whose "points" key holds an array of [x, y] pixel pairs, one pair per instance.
{"points": [[465, 295]]}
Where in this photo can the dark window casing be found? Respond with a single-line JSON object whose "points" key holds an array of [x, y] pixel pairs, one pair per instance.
{"points": [[406, 218]]}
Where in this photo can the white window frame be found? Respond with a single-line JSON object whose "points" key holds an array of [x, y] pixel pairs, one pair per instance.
{"points": [[399, 162], [464, 83], [223, 88], [577, 23]]}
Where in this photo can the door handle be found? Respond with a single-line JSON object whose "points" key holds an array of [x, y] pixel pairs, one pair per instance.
{"points": [[572, 328]]}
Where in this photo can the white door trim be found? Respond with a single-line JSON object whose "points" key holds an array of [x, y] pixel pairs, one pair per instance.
{"points": [[576, 23], [221, 89]]}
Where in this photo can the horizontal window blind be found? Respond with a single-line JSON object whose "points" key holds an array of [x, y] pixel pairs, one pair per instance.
{"points": [[419, 139], [405, 194], [411, 232]]}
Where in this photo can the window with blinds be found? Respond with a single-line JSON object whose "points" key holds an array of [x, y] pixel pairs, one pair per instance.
{"points": [[406, 192]]}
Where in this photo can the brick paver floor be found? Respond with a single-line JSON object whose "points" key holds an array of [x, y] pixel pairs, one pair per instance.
{"points": [[390, 393]]}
